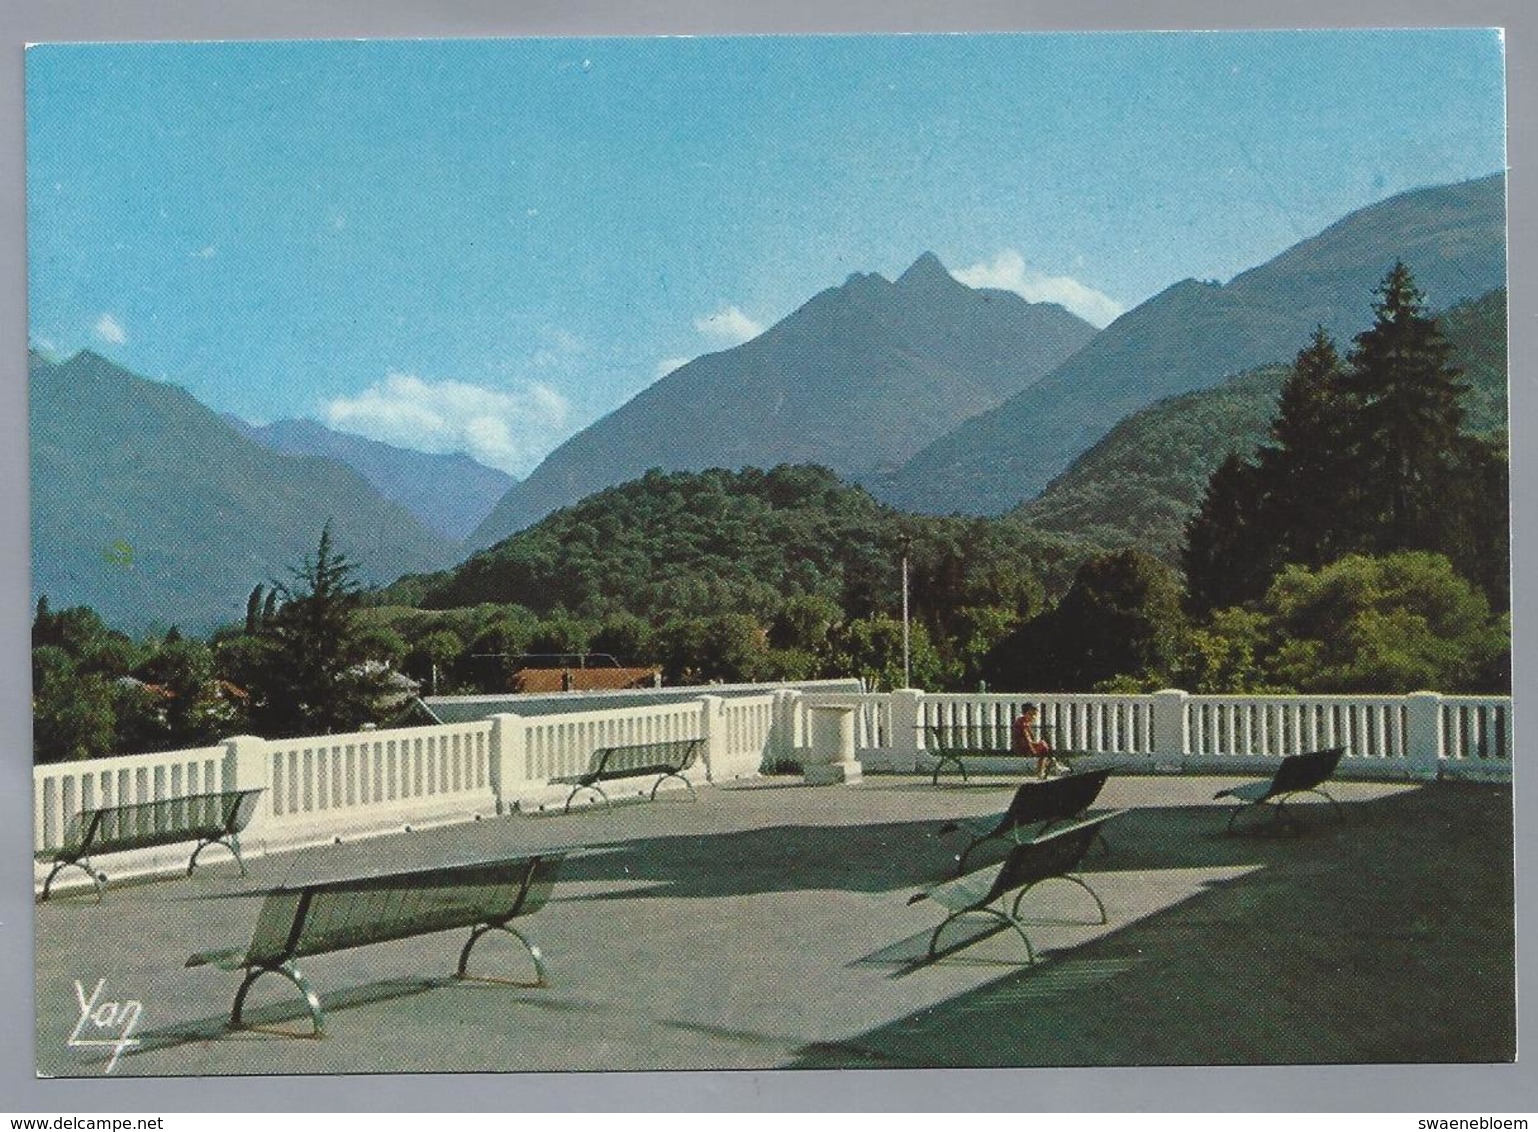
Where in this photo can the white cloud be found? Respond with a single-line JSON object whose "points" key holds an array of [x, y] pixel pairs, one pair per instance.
{"points": [[1010, 272], [668, 365], [728, 325], [504, 429], [109, 329], [559, 348]]}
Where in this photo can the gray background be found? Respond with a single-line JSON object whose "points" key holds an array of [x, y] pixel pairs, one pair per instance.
{"points": [[1421, 1089]]}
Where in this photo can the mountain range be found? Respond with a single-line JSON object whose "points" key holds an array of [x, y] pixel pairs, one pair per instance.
{"points": [[857, 379], [449, 495], [1193, 335], [935, 396], [156, 511]]}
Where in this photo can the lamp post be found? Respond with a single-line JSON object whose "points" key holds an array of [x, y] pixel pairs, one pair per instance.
{"points": [[907, 545]]}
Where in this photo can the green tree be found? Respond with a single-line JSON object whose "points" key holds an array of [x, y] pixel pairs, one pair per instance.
{"points": [[1407, 418], [734, 648], [433, 656], [872, 649], [72, 712], [1224, 543], [316, 678], [626, 637], [1309, 511], [804, 622], [1388, 625], [1222, 656], [85, 637], [1476, 524], [1122, 617], [194, 713]]}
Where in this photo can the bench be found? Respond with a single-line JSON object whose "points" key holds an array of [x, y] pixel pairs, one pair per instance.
{"points": [[1040, 804], [208, 819], [329, 916], [1048, 857], [1298, 774], [977, 741], [666, 759]]}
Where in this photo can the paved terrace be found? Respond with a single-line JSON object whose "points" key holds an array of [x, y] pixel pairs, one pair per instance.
{"points": [[767, 925]]}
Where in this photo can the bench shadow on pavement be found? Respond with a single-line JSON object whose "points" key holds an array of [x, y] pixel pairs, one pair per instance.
{"points": [[1387, 939], [907, 855]]}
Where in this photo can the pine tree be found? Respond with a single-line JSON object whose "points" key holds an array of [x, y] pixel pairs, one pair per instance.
{"points": [[254, 611], [1310, 507], [1407, 419], [1226, 550], [315, 679]]}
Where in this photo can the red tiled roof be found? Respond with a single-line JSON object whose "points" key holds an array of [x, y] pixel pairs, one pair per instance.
{"points": [[581, 679]]}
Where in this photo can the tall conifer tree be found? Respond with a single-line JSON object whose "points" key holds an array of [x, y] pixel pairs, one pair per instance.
{"points": [[1408, 417], [1308, 498], [1226, 549]]}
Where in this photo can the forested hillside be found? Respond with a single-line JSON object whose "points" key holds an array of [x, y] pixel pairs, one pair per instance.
{"points": [[1142, 483]]}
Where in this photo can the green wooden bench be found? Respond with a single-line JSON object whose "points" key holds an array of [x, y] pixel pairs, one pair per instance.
{"points": [[208, 819], [1038, 804], [955, 743], [983, 892], [666, 759], [1298, 774], [317, 919]]}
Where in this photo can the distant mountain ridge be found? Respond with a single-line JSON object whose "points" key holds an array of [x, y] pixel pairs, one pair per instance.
{"points": [[448, 494], [154, 510], [1193, 335], [856, 379]]}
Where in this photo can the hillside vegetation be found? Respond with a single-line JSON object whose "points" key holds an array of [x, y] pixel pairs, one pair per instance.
{"points": [[1143, 482]]}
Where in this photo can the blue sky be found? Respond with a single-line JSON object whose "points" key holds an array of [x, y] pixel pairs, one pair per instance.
{"points": [[484, 245]]}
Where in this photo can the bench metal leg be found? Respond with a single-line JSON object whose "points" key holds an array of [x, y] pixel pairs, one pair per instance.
{"points": [[935, 780], [1233, 817], [1010, 838], [1340, 815], [534, 954], [82, 863], [1071, 879], [595, 788], [1003, 917], [293, 975], [1279, 814], [232, 843], [680, 778]]}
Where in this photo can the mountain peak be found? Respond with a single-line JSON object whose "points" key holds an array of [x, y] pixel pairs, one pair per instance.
{"points": [[927, 271]]}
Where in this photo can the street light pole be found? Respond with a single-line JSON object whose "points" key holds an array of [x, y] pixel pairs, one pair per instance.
{"points": [[907, 544]]}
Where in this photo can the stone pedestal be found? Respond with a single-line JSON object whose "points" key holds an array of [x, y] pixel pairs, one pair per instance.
{"points": [[833, 758]]}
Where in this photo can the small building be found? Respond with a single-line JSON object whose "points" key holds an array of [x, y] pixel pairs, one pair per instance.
{"points": [[535, 680]]}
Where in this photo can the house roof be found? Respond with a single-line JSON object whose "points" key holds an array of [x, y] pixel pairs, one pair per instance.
{"points": [[582, 679]]}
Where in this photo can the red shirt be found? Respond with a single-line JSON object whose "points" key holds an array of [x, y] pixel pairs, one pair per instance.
{"points": [[1022, 742]]}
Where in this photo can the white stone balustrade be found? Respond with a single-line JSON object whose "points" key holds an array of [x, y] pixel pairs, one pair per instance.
{"points": [[346, 786]]}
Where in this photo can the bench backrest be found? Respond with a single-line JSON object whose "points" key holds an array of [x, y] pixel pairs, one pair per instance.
{"points": [[143, 825], [1304, 772], [677, 755], [971, 737], [1050, 855], [337, 915], [1053, 799]]}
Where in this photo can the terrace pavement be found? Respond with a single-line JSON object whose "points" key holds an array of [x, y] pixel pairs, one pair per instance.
{"points": [[767, 925]]}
